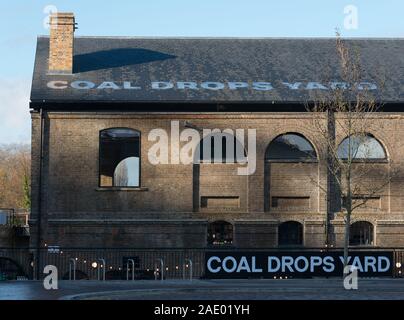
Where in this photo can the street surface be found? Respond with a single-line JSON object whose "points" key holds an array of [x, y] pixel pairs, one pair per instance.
{"points": [[290, 289]]}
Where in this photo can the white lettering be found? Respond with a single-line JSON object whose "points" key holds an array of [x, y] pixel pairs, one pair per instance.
{"points": [[128, 86], [212, 85], [328, 264], [188, 151], [262, 86], [243, 265], [380, 267], [109, 85], [82, 85], [187, 85], [237, 85], [270, 264], [158, 152], [57, 84], [233, 264], [51, 280], [315, 86], [305, 261], [292, 86], [162, 85], [209, 264]]}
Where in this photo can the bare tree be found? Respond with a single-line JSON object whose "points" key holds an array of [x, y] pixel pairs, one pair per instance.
{"points": [[15, 180], [343, 118]]}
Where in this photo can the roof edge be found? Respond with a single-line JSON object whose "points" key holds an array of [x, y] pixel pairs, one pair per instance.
{"points": [[230, 38]]}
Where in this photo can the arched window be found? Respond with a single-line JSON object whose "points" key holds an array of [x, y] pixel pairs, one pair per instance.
{"points": [[289, 147], [221, 148], [290, 161], [290, 233], [363, 147], [220, 233], [119, 158], [361, 233]]}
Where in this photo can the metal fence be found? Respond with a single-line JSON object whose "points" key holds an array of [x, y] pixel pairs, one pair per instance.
{"points": [[122, 264]]}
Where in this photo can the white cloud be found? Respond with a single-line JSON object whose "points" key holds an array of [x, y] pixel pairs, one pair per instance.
{"points": [[15, 120]]}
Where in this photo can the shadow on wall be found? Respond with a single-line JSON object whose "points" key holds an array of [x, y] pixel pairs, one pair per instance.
{"points": [[115, 58]]}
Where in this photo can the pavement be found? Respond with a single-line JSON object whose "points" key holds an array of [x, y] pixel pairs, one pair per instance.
{"points": [[257, 289]]}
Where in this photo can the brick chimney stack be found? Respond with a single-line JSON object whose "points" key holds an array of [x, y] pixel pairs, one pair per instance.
{"points": [[62, 27]]}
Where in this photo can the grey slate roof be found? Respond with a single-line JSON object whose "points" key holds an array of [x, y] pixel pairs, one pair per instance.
{"points": [[142, 61]]}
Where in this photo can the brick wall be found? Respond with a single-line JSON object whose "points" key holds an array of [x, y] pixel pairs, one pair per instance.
{"points": [[166, 211], [62, 26]]}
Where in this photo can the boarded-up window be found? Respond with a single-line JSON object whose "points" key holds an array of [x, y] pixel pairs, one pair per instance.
{"points": [[364, 203], [290, 203], [220, 202]]}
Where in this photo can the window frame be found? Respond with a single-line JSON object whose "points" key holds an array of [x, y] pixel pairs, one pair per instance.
{"points": [[226, 223], [372, 233], [301, 225], [364, 160], [139, 187], [308, 160]]}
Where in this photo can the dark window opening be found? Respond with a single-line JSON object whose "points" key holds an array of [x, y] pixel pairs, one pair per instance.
{"points": [[289, 147], [220, 233], [119, 158], [361, 234], [290, 233]]}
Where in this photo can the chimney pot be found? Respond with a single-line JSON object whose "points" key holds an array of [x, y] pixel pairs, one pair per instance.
{"points": [[61, 42]]}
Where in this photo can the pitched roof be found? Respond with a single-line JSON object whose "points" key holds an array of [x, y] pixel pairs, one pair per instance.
{"points": [[210, 69]]}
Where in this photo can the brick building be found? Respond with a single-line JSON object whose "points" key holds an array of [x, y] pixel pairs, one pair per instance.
{"points": [[96, 100]]}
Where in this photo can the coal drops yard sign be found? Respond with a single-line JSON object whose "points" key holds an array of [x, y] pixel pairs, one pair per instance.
{"points": [[295, 264]]}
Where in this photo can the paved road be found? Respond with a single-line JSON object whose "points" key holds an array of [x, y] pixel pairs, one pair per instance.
{"points": [[306, 289]]}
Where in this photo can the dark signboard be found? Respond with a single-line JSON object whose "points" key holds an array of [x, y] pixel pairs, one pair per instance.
{"points": [[295, 264]]}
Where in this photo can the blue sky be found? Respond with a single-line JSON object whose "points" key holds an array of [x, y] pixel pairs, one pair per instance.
{"points": [[21, 21]]}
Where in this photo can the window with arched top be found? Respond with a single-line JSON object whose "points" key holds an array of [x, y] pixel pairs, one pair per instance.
{"points": [[361, 147], [361, 234], [290, 163], [290, 146], [220, 233], [119, 158], [290, 233]]}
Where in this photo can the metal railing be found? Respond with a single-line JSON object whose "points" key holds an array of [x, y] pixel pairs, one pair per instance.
{"points": [[72, 267], [157, 271], [187, 264], [101, 265], [133, 269], [132, 263]]}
